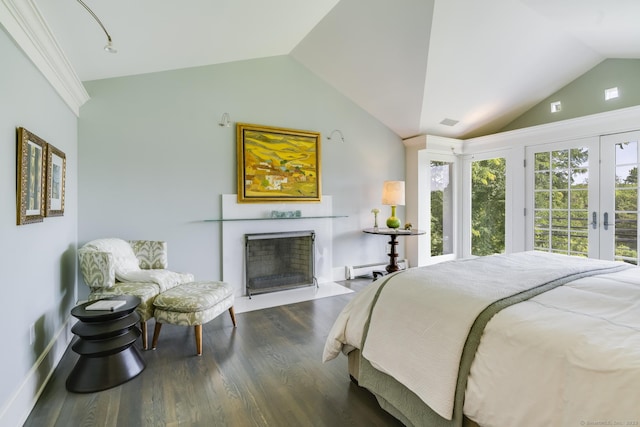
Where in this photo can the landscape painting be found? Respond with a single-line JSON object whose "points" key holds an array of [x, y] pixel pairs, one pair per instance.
{"points": [[56, 172], [31, 163], [278, 165]]}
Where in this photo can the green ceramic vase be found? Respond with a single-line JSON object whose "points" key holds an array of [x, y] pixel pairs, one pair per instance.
{"points": [[393, 221]]}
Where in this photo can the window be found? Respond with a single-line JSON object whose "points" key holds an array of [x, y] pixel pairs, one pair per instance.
{"points": [[611, 93], [488, 214], [561, 201], [624, 210], [585, 197], [442, 208]]}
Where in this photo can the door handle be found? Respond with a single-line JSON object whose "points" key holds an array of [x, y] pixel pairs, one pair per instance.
{"points": [[606, 221], [594, 223]]}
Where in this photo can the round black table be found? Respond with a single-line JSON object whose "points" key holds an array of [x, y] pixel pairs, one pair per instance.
{"points": [[104, 340], [393, 233]]}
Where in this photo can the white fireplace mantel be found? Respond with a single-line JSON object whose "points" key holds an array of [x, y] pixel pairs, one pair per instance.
{"points": [[239, 219]]}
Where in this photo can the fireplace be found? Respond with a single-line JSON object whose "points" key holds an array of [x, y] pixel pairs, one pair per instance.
{"points": [[241, 219], [278, 261]]}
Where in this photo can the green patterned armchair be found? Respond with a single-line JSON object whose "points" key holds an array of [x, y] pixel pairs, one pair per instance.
{"points": [[113, 267]]}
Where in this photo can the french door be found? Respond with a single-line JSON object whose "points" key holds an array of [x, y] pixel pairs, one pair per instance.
{"points": [[583, 197], [620, 157]]}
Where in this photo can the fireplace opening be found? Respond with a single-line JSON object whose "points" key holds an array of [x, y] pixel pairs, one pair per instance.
{"points": [[278, 261]]}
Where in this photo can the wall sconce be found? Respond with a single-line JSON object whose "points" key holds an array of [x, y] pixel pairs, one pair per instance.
{"points": [[335, 131], [109, 46], [225, 120], [393, 194]]}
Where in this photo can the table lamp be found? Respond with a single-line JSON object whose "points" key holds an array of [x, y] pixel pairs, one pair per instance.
{"points": [[393, 194]]}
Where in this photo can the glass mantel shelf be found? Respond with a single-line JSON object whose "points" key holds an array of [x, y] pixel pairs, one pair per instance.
{"points": [[268, 218]]}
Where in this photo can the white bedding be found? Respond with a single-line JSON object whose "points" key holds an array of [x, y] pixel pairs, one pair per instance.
{"points": [[568, 357], [524, 349]]}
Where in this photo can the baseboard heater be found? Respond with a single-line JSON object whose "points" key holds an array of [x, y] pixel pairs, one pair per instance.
{"points": [[353, 271]]}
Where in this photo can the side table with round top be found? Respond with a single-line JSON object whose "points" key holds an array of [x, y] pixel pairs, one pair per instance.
{"points": [[104, 340], [393, 234]]}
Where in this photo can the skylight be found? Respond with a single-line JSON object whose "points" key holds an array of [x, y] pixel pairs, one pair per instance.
{"points": [[611, 93]]}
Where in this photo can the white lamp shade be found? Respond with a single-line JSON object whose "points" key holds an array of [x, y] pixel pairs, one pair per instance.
{"points": [[393, 193]]}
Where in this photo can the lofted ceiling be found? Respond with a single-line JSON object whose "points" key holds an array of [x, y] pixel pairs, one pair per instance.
{"points": [[412, 64]]}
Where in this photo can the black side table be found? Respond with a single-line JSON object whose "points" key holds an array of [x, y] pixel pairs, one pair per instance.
{"points": [[104, 340], [393, 233]]}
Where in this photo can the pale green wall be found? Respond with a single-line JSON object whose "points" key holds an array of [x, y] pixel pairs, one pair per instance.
{"points": [[154, 162], [38, 260], [585, 95]]}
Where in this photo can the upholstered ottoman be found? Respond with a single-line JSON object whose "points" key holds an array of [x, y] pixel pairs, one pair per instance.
{"points": [[192, 304]]}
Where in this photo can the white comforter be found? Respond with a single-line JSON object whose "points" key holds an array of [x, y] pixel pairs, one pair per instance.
{"points": [[530, 371]]}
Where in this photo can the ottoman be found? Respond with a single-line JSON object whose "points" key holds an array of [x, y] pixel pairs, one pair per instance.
{"points": [[192, 304]]}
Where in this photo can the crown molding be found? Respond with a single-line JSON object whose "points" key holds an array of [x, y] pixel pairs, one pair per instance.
{"points": [[24, 23]]}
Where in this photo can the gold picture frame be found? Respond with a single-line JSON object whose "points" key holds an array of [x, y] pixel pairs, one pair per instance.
{"points": [[56, 176], [278, 164], [31, 163]]}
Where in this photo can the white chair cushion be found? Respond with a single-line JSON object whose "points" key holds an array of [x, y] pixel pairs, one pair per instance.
{"points": [[165, 279]]}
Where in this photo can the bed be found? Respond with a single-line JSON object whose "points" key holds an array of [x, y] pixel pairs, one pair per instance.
{"points": [[525, 339]]}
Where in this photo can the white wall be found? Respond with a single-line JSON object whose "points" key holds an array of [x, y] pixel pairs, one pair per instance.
{"points": [[154, 162], [38, 261]]}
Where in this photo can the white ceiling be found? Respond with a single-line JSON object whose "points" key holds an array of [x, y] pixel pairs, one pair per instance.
{"points": [[409, 63]]}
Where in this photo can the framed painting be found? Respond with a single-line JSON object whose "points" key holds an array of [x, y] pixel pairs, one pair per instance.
{"points": [[56, 174], [30, 177], [278, 165]]}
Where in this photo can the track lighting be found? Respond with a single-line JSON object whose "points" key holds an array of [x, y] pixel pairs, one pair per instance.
{"points": [[109, 46]]}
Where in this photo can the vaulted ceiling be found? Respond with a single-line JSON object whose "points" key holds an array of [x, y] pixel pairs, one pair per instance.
{"points": [[412, 64]]}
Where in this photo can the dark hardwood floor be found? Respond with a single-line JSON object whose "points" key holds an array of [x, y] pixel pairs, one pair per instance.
{"points": [[266, 372]]}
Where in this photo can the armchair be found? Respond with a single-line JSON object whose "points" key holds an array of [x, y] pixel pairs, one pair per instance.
{"points": [[113, 267]]}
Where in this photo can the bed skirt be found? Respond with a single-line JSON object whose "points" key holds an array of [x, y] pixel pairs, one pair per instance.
{"points": [[354, 360]]}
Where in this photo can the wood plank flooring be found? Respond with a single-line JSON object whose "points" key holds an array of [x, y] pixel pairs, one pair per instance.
{"points": [[266, 372]]}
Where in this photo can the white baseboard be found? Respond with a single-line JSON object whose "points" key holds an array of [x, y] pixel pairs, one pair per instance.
{"points": [[353, 271], [20, 404], [338, 274]]}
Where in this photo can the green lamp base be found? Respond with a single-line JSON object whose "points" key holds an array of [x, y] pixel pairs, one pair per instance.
{"points": [[393, 221]]}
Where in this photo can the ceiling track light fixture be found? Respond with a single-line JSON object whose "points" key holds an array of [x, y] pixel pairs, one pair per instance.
{"points": [[109, 46], [335, 131]]}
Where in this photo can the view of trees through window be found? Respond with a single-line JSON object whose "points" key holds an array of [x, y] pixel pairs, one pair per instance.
{"points": [[442, 214], [626, 202], [488, 191], [563, 221], [561, 201], [563, 216]]}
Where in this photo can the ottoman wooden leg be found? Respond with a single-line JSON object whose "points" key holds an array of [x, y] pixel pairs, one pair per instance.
{"points": [[198, 329], [143, 329], [156, 334], [233, 316]]}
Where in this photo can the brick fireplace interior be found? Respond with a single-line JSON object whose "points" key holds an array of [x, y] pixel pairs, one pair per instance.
{"points": [[278, 261]]}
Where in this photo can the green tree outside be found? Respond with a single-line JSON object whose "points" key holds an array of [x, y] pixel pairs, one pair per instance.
{"points": [[488, 194]]}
